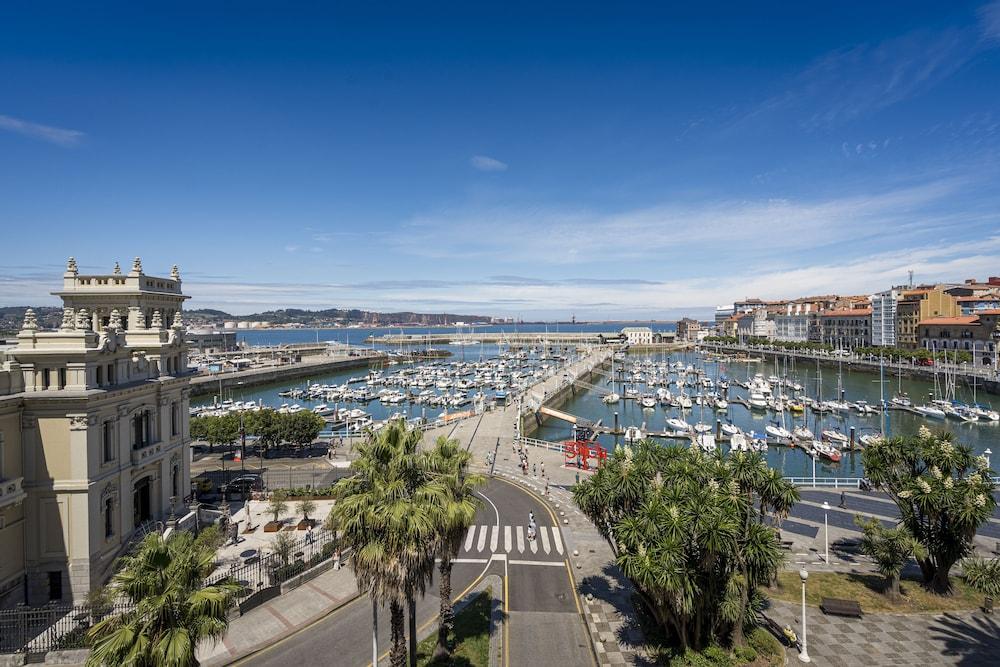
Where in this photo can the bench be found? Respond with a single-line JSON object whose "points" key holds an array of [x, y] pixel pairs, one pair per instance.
{"points": [[837, 607]]}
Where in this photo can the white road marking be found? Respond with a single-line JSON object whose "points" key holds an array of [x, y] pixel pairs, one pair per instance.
{"points": [[469, 537], [506, 539], [557, 540], [549, 563], [470, 560], [482, 538], [494, 537], [543, 532], [520, 539], [534, 545]]}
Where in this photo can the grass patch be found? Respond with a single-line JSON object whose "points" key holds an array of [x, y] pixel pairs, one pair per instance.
{"points": [[867, 590], [470, 639], [762, 650]]}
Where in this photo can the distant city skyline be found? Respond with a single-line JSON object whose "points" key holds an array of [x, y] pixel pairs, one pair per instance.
{"points": [[626, 162]]}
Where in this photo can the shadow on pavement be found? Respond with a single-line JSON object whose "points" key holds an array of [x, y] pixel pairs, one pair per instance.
{"points": [[973, 641]]}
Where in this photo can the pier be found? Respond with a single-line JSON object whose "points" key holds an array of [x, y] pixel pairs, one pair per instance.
{"points": [[541, 339]]}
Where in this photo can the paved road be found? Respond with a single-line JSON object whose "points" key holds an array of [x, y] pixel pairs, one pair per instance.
{"points": [[544, 623]]}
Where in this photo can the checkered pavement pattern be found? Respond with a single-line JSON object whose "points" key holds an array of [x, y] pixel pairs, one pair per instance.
{"points": [[966, 639], [605, 626]]}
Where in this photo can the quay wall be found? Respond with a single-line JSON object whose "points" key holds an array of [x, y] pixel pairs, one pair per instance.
{"points": [[209, 383], [561, 395], [989, 384]]}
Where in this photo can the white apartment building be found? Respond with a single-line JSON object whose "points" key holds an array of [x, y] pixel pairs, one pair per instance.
{"points": [[884, 317], [793, 324]]}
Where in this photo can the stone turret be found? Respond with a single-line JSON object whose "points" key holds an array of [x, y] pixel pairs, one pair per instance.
{"points": [[30, 320], [136, 267], [68, 320]]}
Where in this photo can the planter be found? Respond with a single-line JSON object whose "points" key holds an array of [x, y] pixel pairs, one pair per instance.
{"points": [[272, 526], [307, 523]]}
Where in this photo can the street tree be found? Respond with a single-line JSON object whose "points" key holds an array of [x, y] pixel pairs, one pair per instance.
{"points": [[889, 549], [385, 516], [306, 507], [448, 463], [277, 506], [170, 610], [943, 491], [689, 531], [301, 428]]}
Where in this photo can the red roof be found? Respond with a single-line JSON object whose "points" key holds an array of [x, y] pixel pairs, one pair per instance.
{"points": [[965, 319], [853, 312]]}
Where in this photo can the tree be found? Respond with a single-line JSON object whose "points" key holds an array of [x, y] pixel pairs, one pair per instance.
{"points": [[943, 491], [889, 548], [448, 463], [171, 610], [306, 507], [282, 546], [216, 429], [277, 506], [266, 425], [689, 532], [301, 428], [384, 514]]}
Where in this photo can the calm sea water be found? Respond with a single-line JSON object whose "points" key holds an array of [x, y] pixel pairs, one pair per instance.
{"points": [[794, 462]]}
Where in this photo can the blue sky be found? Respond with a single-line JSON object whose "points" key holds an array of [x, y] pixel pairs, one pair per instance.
{"points": [[614, 160]]}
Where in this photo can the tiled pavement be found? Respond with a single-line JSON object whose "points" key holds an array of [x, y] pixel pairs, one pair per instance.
{"points": [[966, 639]]}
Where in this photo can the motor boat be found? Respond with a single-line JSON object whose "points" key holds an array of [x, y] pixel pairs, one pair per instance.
{"points": [[802, 433], [731, 430], [705, 441], [633, 434], [930, 411], [827, 451], [869, 439], [702, 427], [779, 432], [611, 398], [648, 401], [833, 435], [758, 400]]}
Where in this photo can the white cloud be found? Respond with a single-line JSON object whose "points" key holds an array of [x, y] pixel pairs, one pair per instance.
{"points": [[291, 248], [989, 20], [53, 135], [486, 163]]}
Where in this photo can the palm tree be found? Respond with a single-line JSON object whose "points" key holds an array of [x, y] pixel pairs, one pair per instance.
{"points": [[171, 610], [384, 513], [448, 464]]}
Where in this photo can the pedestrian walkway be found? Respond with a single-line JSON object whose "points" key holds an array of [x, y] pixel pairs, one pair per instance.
{"points": [[967, 639], [278, 618]]}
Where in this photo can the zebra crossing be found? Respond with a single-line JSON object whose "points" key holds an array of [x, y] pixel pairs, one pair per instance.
{"points": [[513, 539]]}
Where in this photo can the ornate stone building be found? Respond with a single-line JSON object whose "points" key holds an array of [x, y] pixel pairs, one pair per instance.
{"points": [[94, 432]]}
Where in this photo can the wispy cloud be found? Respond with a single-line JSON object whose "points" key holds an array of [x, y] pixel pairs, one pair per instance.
{"points": [[486, 163], [858, 80], [989, 20], [53, 135]]}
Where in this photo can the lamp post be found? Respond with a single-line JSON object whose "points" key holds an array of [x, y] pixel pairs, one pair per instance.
{"points": [[804, 653], [987, 454], [814, 468], [826, 532]]}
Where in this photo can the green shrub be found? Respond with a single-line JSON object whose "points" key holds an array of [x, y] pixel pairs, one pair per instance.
{"points": [[717, 655], [764, 643], [745, 654]]}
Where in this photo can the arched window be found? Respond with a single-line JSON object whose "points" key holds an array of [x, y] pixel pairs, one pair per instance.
{"points": [[109, 517]]}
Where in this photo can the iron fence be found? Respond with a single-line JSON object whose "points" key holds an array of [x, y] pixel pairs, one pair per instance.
{"points": [[51, 628], [62, 627]]}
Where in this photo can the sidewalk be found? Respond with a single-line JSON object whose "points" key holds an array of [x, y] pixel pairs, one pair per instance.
{"points": [[278, 618]]}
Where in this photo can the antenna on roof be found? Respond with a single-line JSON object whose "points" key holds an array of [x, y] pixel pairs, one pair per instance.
{"points": [[911, 278]]}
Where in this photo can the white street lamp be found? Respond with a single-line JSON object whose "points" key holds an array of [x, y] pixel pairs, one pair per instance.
{"points": [[987, 453], [814, 468], [826, 532], [804, 653]]}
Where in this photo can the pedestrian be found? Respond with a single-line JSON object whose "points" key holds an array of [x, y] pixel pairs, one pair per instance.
{"points": [[578, 477], [534, 469], [309, 535], [531, 517], [546, 487], [843, 500], [543, 468]]}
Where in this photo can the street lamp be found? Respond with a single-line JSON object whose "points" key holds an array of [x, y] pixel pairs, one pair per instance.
{"points": [[826, 532], [804, 653], [814, 467], [987, 454]]}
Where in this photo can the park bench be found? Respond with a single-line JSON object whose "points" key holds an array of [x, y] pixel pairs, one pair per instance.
{"points": [[837, 607]]}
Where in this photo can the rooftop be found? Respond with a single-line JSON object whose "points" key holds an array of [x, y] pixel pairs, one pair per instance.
{"points": [[848, 312], [965, 319]]}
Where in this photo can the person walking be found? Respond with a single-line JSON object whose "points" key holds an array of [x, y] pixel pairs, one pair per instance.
{"points": [[534, 469], [309, 535], [843, 500]]}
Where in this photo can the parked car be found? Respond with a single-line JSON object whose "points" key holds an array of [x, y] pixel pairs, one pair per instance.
{"points": [[243, 484]]}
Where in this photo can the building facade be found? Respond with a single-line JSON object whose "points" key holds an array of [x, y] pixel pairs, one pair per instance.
{"points": [[94, 426], [884, 317], [210, 341], [638, 335], [977, 334], [846, 328], [688, 329], [918, 305]]}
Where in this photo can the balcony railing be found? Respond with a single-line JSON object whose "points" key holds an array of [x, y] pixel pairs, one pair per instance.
{"points": [[11, 491]]}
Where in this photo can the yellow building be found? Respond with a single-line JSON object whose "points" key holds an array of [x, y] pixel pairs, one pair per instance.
{"points": [[917, 305], [94, 432]]}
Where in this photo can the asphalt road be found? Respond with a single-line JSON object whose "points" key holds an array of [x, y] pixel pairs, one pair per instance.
{"points": [[544, 624]]}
